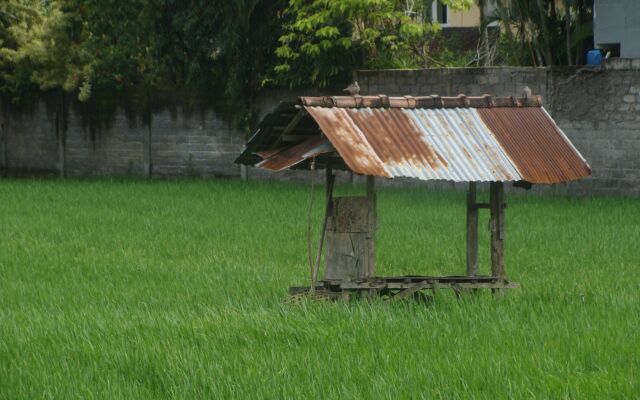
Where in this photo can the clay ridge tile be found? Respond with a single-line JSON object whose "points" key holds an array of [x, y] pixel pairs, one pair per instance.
{"points": [[433, 101]]}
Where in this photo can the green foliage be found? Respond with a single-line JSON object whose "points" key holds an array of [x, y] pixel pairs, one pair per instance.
{"points": [[39, 47], [544, 32], [326, 40], [221, 47], [232, 49]]}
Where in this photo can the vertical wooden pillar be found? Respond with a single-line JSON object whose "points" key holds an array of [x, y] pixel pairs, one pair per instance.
{"points": [[472, 231], [373, 224], [329, 204], [329, 177], [496, 200]]}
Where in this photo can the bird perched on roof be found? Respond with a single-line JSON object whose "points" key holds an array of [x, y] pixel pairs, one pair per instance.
{"points": [[527, 93], [353, 89]]}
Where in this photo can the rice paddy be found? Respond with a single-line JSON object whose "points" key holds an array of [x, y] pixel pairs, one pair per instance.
{"points": [[177, 289]]}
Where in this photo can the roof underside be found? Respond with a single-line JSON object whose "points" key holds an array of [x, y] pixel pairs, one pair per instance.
{"points": [[460, 139]]}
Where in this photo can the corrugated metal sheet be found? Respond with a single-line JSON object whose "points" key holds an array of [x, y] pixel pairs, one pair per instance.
{"points": [[539, 149], [284, 158], [460, 139], [446, 144]]}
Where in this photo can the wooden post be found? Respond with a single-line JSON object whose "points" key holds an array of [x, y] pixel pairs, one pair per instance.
{"points": [[329, 178], [497, 228], [373, 222], [351, 235], [329, 199], [472, 231]]}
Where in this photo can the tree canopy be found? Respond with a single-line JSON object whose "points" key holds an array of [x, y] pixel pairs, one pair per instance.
{"points": [[234, 48]]}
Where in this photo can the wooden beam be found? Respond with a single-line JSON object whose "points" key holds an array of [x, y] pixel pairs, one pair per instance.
{"points": [[472, 231], [290, 126], [403, 294], [496, 199]]}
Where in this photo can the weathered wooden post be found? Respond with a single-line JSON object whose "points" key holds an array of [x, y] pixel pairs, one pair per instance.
{"points": [[351, 237], [472, 231], [496, 200]]}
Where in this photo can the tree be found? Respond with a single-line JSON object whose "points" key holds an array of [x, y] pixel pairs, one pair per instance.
{"points": [[325, 40], [219, 47], [547, 32], [38, 48]]}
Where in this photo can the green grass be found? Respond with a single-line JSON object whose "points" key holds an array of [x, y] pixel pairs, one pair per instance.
{"points": [[134, 289]]}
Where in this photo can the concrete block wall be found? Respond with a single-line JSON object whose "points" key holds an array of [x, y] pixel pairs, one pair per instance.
{"points": [[171, 142], [196, 145], [29, 140], [113, 150], [598, 109], [497, 81]]}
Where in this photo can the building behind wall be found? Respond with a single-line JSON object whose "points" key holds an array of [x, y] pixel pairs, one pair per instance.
{"points": [[616, 27]]}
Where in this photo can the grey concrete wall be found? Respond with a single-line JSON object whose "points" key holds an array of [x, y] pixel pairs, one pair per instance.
{"points": [[497, 81], [113, 150], [600, 112], [113, 139], [29, 140], [599, 109]]}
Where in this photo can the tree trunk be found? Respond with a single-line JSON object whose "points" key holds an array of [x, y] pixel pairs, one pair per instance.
{"points": [[567, 28], [545, 33], [483, 58]]}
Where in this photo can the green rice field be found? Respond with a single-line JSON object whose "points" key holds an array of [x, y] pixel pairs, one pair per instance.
{"points": [[127, 289]]}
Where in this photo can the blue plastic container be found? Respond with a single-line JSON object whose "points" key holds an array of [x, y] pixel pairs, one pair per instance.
{"points": [[594, 57]]}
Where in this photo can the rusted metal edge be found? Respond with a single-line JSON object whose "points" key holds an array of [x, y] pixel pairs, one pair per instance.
{"points": [[293, 155]]}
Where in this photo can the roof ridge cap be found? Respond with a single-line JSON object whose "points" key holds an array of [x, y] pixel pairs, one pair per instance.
{"points": [[430, 101]]}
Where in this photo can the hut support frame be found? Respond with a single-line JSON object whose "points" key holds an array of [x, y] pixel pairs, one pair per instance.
{"points": [[368, 285]]}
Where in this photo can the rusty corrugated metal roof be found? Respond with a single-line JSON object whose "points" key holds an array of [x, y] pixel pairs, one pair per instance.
{"points": [[284, 158], [539, 149], [458, 139]]}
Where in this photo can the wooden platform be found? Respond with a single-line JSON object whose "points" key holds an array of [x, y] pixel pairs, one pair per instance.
{"points": [[400, 287]]}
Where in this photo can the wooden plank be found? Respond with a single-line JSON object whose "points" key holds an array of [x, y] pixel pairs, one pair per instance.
{"points": [[411, 290], [448, 285], [351, 237], [496, 199], [347, 256], [472, 231], [351, 214]]}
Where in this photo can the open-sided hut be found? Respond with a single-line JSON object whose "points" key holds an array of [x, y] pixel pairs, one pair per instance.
{"points": [[459, 139]]}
